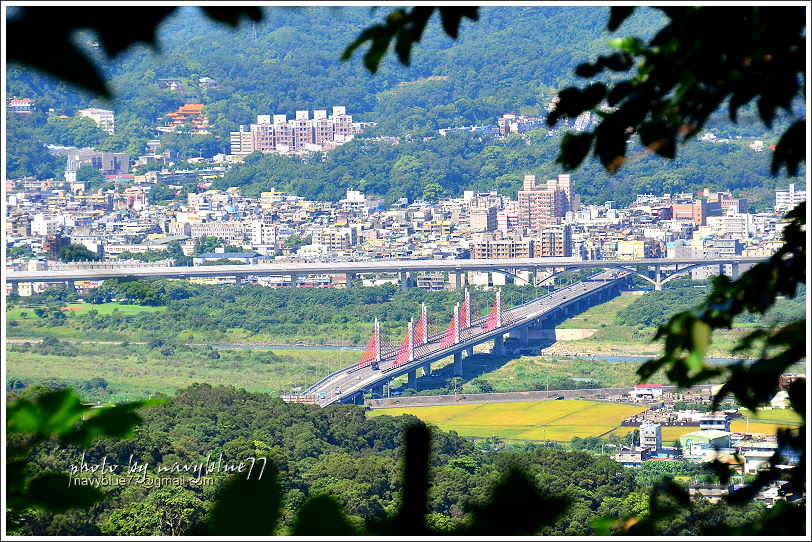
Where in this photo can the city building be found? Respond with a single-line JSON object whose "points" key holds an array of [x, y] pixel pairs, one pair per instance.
{"points": [[786, 200], [502, 248], [512, 123], [108, 163], [651, 436], [20, 105], [104, 118], [275, 133], [632, 456], [542, 206], [553, 242]]}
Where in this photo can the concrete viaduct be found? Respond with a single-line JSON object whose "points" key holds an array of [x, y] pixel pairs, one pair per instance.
{"points": [[657, 271]]}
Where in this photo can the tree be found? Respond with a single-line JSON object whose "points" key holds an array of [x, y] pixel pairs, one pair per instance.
{"points": [[90, 175], [76, 253], [432, 192]]}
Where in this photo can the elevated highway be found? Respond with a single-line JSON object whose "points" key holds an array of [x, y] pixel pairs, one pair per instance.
{"points": [[350, 383], [655, 270]]}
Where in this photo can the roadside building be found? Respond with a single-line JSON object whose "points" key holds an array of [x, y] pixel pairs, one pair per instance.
{"points": [[632, 456], [651, 436], [717, 421], [696, 442], [713, 492]]}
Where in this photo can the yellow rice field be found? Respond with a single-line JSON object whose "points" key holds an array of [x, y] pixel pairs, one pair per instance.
{"points": [[528, 420]]}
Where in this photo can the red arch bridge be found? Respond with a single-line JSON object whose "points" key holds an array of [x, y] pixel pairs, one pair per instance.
{"points": [[425, 343]]}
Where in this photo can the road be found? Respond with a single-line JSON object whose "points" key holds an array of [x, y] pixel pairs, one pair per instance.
{"points": [[350, 380], [378, 266]]}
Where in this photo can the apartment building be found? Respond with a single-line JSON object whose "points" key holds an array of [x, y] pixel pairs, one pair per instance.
{"points": [[336, 239], [511, 123], [651, 436], [483, 219], [502, 248], [553, 242], [275, 133], [541, 206], [786, 200], [104, 118]]}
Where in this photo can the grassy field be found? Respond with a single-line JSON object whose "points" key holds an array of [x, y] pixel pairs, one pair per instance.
{"points": [[612, 338], [136, 371], [532, 373], [778, 415], [531, 420], [598, 315], [637, 341], [102, 308]]}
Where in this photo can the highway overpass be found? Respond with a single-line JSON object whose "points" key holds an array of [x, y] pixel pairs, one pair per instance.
{"points": [[657, 271]]}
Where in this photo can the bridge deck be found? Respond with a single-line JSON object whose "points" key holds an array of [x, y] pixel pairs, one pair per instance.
{"points": [[349, 381], [272, 269]]}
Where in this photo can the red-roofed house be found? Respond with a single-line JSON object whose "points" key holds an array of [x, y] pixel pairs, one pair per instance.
{"points": [[20, 105], [647, 391]]}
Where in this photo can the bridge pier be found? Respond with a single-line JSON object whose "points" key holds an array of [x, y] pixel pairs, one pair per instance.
{"points": [[498, 346], [377, 390], [458, 364], [427, 369], [70, 285], [404, 280], [522, 334], [294, 281], [348, 278], [456, 279], [412, 378], [469, 351], [734, 270]]}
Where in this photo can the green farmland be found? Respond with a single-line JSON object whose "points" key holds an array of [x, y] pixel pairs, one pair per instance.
{"points": [[529, 420]]}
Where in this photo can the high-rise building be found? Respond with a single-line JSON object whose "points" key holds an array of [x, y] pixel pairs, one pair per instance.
{"points": [[104, 118], [542, 206]]}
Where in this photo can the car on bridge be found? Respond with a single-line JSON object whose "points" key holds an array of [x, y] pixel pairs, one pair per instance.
{"points": [[322, 395]]}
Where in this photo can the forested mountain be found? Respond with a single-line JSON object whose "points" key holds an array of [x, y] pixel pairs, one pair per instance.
{"points": [[514, 59], [336, 452]]}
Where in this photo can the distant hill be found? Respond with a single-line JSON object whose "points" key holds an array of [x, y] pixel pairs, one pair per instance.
{"points": [[514, 59]]}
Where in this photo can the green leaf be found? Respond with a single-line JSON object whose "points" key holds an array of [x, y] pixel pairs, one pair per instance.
{"points": [[631, 45], [618, 14], [247, 507], [700, 337], [54, 492], [322, 516]]}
